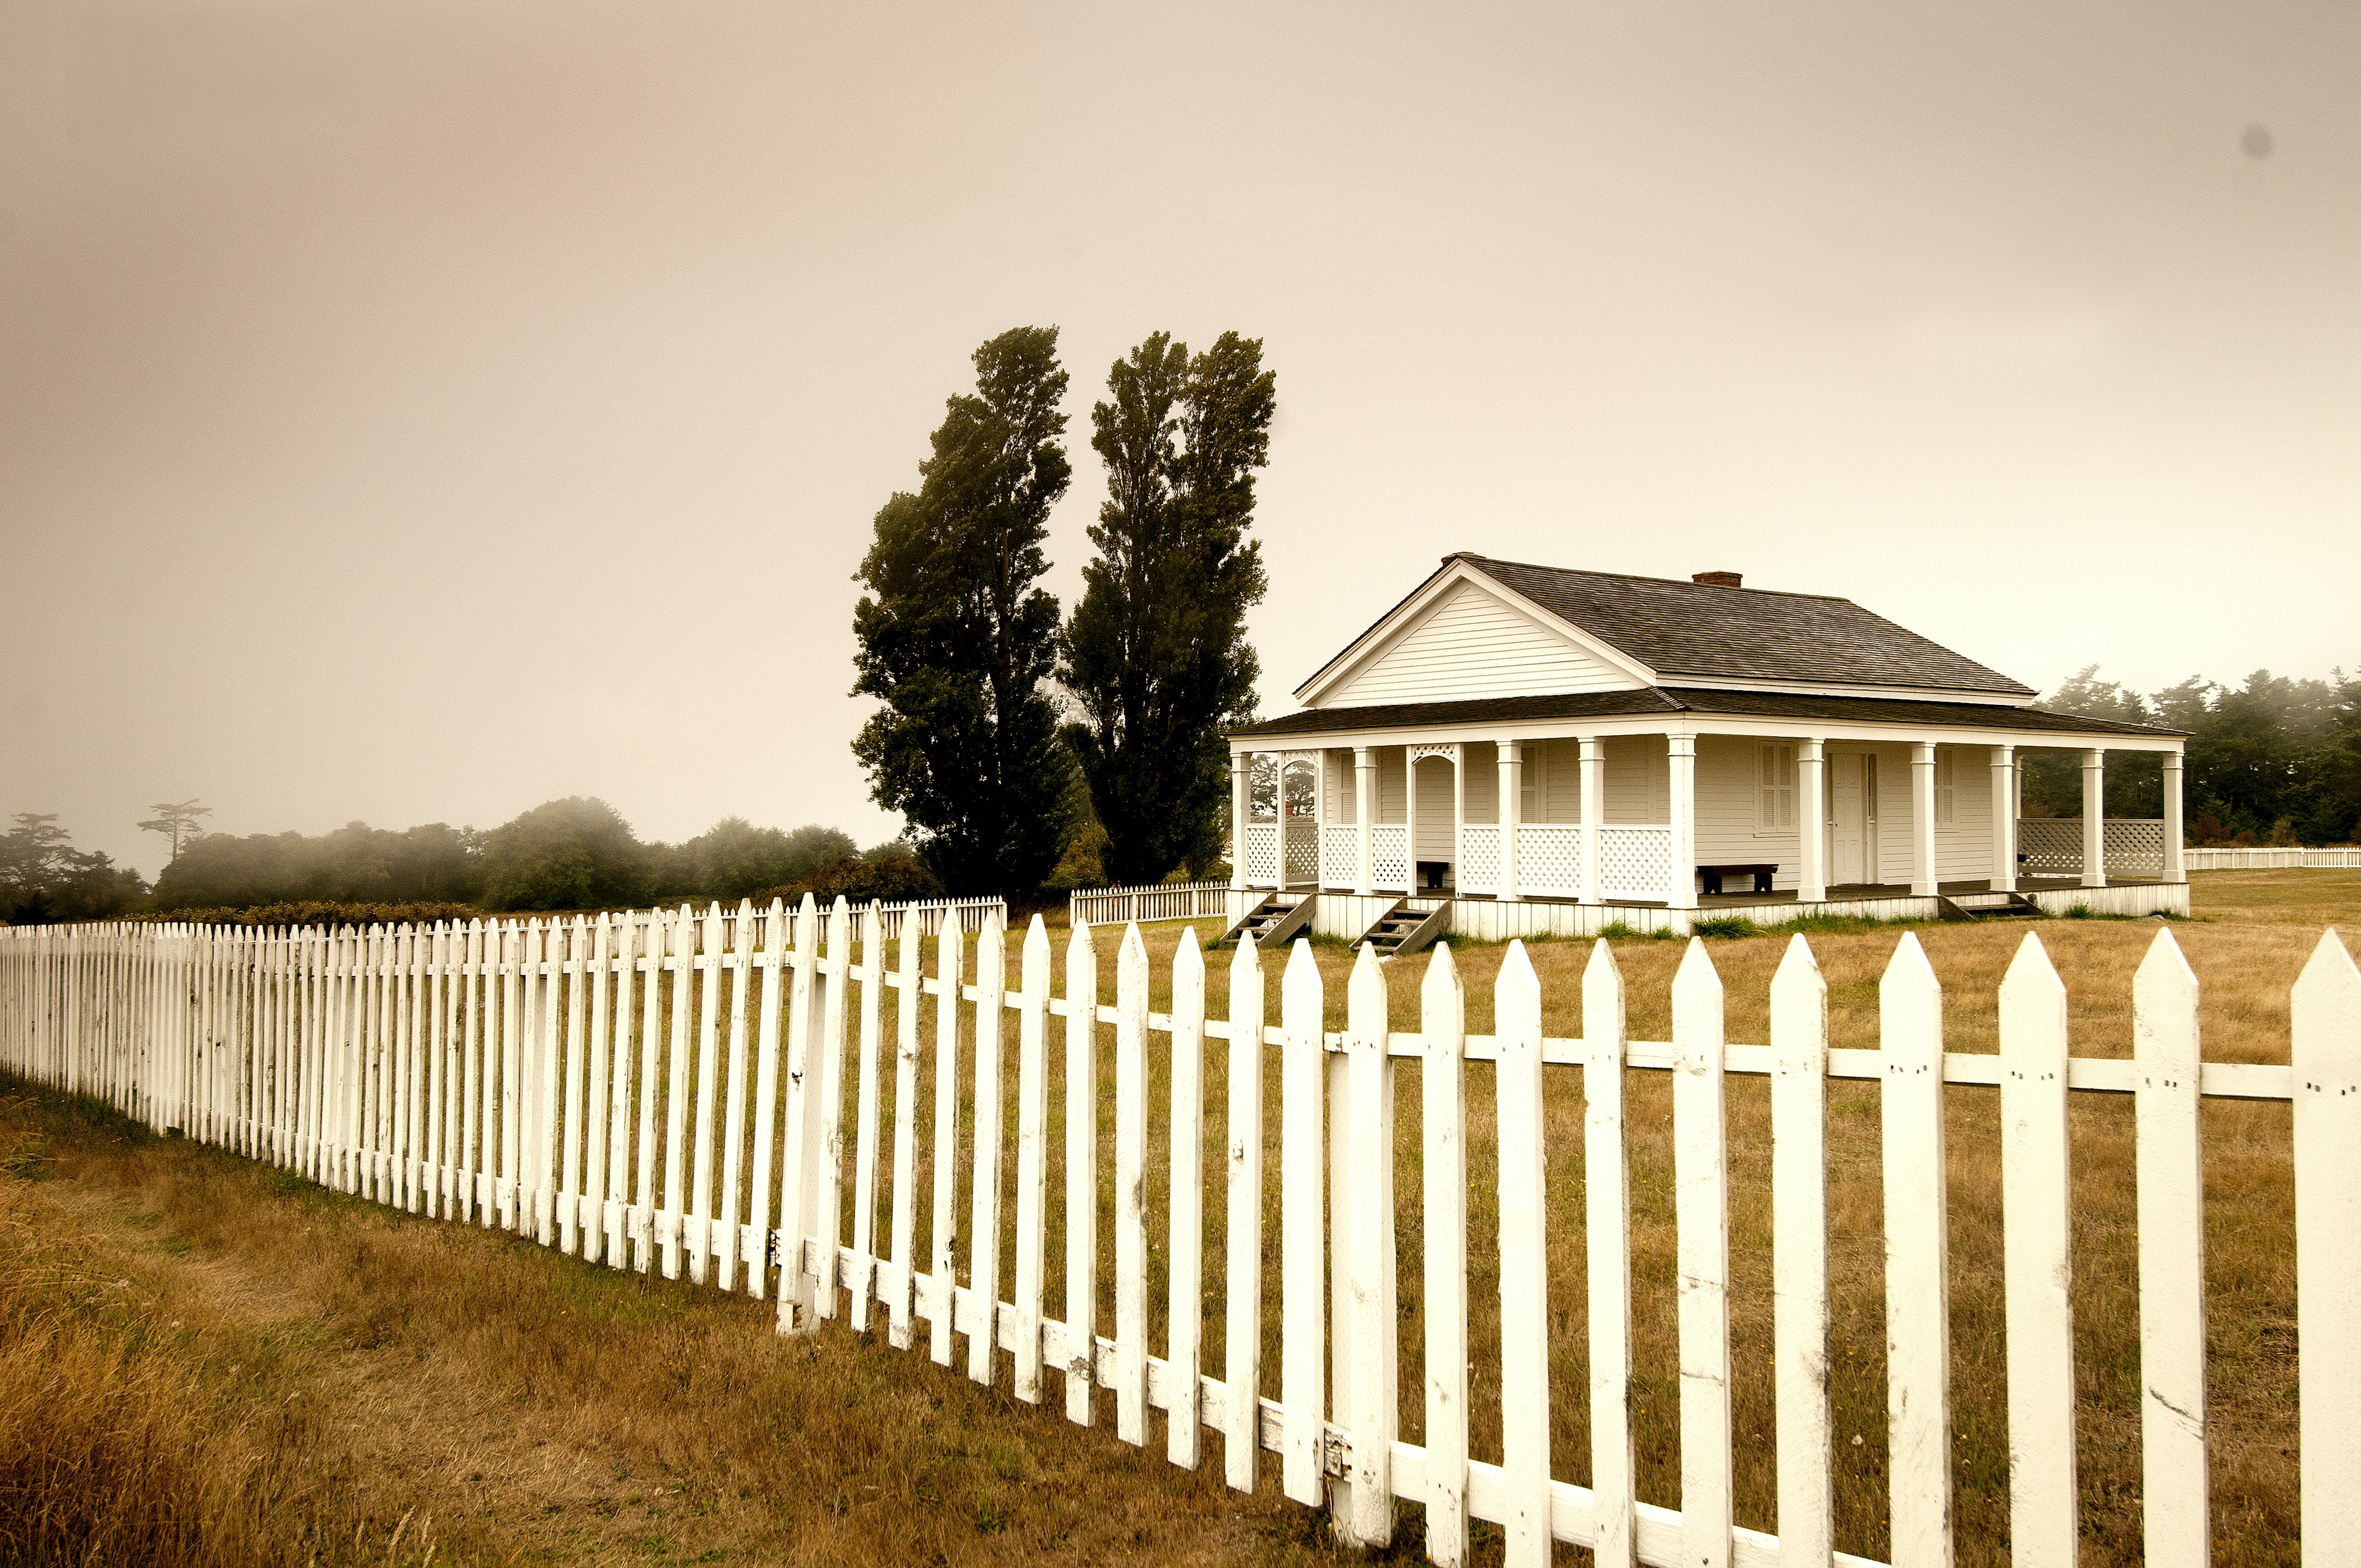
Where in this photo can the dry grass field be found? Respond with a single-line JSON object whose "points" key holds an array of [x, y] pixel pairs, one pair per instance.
{"points": [[204, 1360]]}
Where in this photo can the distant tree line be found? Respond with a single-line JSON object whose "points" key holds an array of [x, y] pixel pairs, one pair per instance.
{"points": [[577, 853], [2276, 760], [1025, 749]]}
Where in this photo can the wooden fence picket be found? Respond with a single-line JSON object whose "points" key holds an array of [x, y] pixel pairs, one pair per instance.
{"points": [[1799, 1241], [1242, 1298], [711, 957], [826, 1143], [1130, 1184], [1081, 1175], [1184, 1280], [984, 1226], [2170, 1180], [949, 956], [2325, 1023], [590, 1199], [1524, 1247], [800, 1152], [1918, 1261], [1607, 1215], [1443, 1128], [1302, 1218], [1367, 1395], [2037, 1199], [1032, 1157], [864, 1283], [764, 1179], [741, 962], [1701, 1210], [579, 978], [908, 1004]]}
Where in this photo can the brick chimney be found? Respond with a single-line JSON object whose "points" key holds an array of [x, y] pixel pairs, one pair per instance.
{"points": [[1718, 580]]}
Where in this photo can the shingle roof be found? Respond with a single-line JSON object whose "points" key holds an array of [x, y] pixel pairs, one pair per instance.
{"points": [[1689, 700], [1700, 630]]}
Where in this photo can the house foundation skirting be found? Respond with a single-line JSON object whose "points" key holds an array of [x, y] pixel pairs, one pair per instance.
{"points": [[1345, 915]]}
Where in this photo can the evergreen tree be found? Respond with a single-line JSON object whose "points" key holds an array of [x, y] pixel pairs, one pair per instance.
{"points": [[1156, 655], [956, 640]]}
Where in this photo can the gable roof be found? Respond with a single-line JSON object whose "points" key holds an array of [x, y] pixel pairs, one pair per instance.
{"points": [[1699, 632]]}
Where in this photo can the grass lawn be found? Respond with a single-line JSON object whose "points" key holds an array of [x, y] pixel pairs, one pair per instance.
{"points": [[203, 1359]]}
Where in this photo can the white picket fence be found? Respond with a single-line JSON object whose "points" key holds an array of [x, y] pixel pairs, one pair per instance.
{"points": [[2260, 859], [1147, 902], [972, 914], [541, 1077]]}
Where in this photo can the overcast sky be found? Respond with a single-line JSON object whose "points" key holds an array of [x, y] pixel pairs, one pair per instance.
{"points": [[412, 409]]}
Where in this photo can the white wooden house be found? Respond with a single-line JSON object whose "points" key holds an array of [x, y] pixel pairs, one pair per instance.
{"points": [[1527, 749]]}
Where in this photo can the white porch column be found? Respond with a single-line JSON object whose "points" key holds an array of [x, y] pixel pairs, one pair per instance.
{"points": [[2175, 867], [1922, 819], [2004, 818], [1410, 820], [1594, 806], [1680, 758], [2094, 816], [1364, 806], [1812, 819], [1511, 812], [1458, 815], [1241, 813]]}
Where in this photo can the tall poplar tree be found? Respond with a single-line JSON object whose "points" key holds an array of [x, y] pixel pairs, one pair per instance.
{"points": [[959, 642], [1156, 655]]}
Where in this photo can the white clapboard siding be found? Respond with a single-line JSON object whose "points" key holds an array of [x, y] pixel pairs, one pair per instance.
{"points": [[1472, 642], [487, 1074]]}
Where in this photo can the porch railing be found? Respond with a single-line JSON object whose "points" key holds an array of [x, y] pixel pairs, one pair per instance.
{"points": [[2052, 846], [1634, 862], [1340, 855]]}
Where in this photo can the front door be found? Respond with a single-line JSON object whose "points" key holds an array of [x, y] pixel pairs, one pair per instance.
{"points": [[1852, 819]]}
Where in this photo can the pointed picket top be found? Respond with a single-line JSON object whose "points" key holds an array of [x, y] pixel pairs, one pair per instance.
{"points": [[2033, 1012], [1910, 1008], [1517, 995], [1799, 1011], [1697, 1010], [1299, 984], [1602, 1002], [1187, 959], [1364, 996], [1132, 944], [2325, 1012], [2164, 1013], [1245, 960], [1036, 950], [1442, 994], [1080, 947]]}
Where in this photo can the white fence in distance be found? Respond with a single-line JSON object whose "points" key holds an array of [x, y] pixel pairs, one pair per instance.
{"points": [[2243, 859], [511, 1074], [1149, 903]]}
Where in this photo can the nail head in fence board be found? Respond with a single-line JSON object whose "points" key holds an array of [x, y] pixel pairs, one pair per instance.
{"points": [[983, 1229], [1185, 1306], [1241, 1302], [1082, 1174], [2326, 1019], [1917, 1289], [684, 987], [1443, 1131], [1607, 1218], [2036, 1260], [1130, 1183], [865, 1158], [1701, 1211], [1302, 1245], [827, 1142], [2168, 1115], [1032, 1157], [1524, 1251], [1369, 1135], [733, 1136], [907, 1004], [950, 952], [1799, 1230]]}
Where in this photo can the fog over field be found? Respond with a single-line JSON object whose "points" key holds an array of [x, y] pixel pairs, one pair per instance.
{"points": [[415, 412]]}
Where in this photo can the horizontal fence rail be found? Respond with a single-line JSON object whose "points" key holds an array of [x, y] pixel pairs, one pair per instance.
{"points": [[667, 1091], [2260, 858]]}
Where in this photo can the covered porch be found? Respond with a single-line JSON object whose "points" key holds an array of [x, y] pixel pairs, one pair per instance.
{"points": [[1588, 825]]}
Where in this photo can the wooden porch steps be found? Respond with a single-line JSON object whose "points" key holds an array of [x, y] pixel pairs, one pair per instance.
{"points": [[1278, 916], [1402, 929], [2018, 907]]}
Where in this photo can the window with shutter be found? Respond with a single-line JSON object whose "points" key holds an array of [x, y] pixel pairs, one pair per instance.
{"points": [[1775, 809]]}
